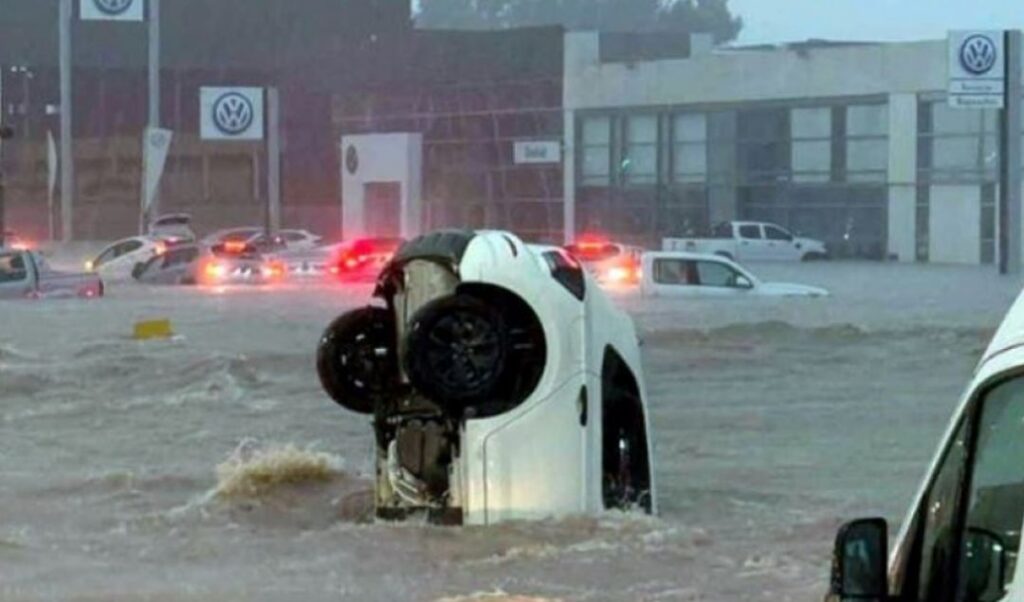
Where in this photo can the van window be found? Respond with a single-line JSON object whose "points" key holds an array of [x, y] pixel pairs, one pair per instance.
{"points": [[968, 526], [12, 268], [750, 232]]}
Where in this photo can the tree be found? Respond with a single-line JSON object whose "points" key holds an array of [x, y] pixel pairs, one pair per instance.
{"points": [[686, 16]]}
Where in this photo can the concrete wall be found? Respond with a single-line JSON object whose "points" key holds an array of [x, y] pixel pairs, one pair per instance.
{"points": [[750, 76], [382, 158]]}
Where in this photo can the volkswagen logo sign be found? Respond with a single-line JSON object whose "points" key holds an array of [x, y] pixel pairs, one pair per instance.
{"points": [[352, 159], [233, 114], [113, 7], [978, 54]]}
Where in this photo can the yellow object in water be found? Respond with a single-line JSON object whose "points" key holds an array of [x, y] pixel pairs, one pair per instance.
{"points": [[153, 329]]}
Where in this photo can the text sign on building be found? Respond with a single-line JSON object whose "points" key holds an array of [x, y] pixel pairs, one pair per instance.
{"points": [[231, 113], [537, 151], [111, 10], [977, 69]]}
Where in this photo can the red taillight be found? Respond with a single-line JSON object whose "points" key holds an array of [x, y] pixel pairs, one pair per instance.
{"points": [[234, 246], [160, 248], [274, 270]]}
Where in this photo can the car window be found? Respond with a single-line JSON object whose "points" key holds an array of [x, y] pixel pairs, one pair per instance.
{"points": [[751, 232], [775, 233], [672, 272], [712, 273], [12, 268], [107, 255], [126, 247]]}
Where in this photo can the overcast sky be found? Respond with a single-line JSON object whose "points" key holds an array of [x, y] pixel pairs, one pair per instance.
{"points": [[793, 20]]}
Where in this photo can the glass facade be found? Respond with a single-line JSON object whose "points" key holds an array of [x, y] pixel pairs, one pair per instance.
{"points": [[818, 170], [957, 147]]}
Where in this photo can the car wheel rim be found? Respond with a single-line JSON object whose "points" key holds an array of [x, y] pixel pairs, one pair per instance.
{"points": [[360, 361], [464, 350]]}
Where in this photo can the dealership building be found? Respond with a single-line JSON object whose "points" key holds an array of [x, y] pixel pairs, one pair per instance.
{"points": [[851, 143]]}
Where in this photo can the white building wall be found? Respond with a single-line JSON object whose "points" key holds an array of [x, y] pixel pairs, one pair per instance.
{"points": [[382, 158], [955, 224], [902, 210]]}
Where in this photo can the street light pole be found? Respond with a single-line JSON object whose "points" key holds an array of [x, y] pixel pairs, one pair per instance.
{"points": [[67, 167], [153, 209]]}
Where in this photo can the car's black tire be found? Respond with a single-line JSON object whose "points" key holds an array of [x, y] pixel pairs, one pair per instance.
{"points": [[456, 352], [356, 359]]}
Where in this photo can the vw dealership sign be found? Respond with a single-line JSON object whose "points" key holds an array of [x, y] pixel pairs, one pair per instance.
{"points": [[977, 69], [112, 10], [231, 113]]}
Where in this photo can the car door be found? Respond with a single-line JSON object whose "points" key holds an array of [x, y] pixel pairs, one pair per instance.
{"points": [[781, 245], [963, 541], [15, 276], [750, 243]]}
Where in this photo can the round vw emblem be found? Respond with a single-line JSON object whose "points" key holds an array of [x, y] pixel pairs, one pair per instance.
{"points": [[233, 114], [352, 159], [978, 54], [113, 7]]}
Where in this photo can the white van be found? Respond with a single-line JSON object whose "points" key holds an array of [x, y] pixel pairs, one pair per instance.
{"points": [[503, 383], [961, 539]]}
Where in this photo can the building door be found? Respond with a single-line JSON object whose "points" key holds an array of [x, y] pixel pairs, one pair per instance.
{"points": [[383, 209]]}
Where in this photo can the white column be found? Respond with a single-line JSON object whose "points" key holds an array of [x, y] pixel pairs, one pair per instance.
{"points": [[67, 167], [902, 208], [569, 177]]}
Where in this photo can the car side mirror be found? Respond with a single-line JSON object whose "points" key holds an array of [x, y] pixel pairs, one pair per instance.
{"points": [[744, 282], [859, 561], [984, 565]]}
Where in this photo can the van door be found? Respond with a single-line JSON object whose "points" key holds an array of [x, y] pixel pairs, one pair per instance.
{"points": [[780, 244], [15, 276], [964, 539]]}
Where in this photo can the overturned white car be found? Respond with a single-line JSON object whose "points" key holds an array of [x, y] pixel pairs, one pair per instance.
{"points": [[503, 383]]}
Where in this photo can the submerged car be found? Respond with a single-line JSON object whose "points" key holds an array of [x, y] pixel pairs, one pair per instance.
{"points": [[677, 274], [118, 260], [27, 275], [612, 264], [363, 259], [219, 265], [503, 383], [961, 538]]}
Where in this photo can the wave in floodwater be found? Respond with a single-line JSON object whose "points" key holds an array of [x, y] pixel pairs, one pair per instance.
{"points": [[252, 472]]}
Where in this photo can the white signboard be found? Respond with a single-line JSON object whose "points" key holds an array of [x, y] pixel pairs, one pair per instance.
{"points": [[977, 69], [112, 10], [231, 113], [537, 151]]}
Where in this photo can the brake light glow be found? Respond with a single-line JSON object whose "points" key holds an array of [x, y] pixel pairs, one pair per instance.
{"points": [[234, 246], [160, 248], [274, 269], [215, 271], [619, 274]]}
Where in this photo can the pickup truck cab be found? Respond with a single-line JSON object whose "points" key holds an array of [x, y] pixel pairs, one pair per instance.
{"points": [[962, 535], [26, 275], [675, 274], [751, 241]]}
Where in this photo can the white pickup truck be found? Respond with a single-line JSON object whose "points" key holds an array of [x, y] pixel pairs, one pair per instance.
{"points": [[26, 275], [751, 241]]}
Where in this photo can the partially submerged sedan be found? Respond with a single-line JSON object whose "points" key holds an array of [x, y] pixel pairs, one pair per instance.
{"points": [[678, 274], [217, 266], [503, 383]]}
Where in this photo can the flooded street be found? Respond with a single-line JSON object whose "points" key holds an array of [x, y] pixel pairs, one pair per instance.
{"points": [[212, 467]]}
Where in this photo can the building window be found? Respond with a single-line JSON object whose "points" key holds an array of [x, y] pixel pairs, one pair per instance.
{"points": [[690, 150], [958, 146], [811, 133], [763, 146], [596, 141], [867, 143], [640, 160]]}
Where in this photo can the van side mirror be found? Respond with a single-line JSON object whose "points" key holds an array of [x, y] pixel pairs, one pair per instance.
{"points": [[984, 565], [859, 562]]}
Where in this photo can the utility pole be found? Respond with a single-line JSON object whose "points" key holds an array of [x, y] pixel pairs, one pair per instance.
{"points": [[1010, 210], [273, 161], [67, 167], [153, 209]]}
